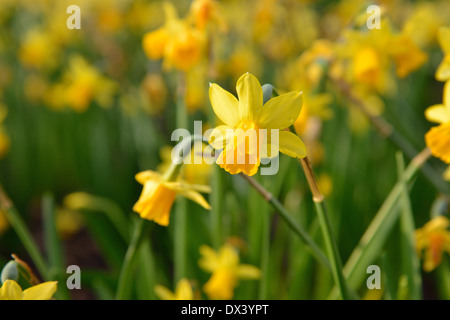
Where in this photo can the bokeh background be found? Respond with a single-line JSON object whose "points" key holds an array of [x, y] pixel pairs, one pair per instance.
{"points": [[85, 110]]}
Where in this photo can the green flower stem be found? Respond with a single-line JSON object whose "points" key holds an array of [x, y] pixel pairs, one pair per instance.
{"points": [[410, 259], [386, 130], [216, 207], [330, 242], [53, 245], [372, 241], [16, 221], [180, 225], [287, 217], [125, 277]]}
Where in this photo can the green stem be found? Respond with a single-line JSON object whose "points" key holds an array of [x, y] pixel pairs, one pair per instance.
{"points": [[327, 233], [410, 260], [386, 130], [53, 245], [180, 225], [376, 234], [23, 233], [287, 217], [127, 267], [216, 207]]}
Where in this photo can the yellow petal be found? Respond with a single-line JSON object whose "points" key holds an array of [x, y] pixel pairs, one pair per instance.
{"points": [[446, 98], [209, 260], [154, 43], [447, 174], [224, 104], [196, 197], [250, 96], [155, 203], [246, 271], [163, 293], [444, 39], [438, 140], [189, 192], [281, 112], [43, 291], [437, 113], [291, 145], [184, 290], [11, 291], [144, 176], [180, 186], [443, 70], [221, 284]]}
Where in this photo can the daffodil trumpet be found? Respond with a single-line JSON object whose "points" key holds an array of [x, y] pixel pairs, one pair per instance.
{"points": [[160, 190]]}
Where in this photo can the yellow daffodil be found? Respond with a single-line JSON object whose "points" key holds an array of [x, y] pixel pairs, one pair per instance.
{"points": [[81, 85], [406, 54], [438, 138], [68, 222], [183, 291], [206, 13], [240, 136], [434, 239], [177, 42], [10, 290], [38, 49], [443, 71], [159, 192], [226, 271], [85, 84]]}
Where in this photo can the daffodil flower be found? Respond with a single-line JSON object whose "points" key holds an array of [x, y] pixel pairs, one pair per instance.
{"points": [[183, 291], [158, 195], [226, 271], [443, 71], [434, 239], [177, 42], [244, 119], [438, 138], [10, 290]]}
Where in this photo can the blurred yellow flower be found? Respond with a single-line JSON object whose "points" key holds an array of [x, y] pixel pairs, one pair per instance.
{"points": [[10, 290], [406, 54], [38, 49], [447, 174], [206, 13], [434, 239], [84, 83], [244, 118], [177, 42], [226, 271], [183, 291], [68, 222], [423, 23], [443, 71], [438, 138], [81, 85], [159, 192], [155, 89]]}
